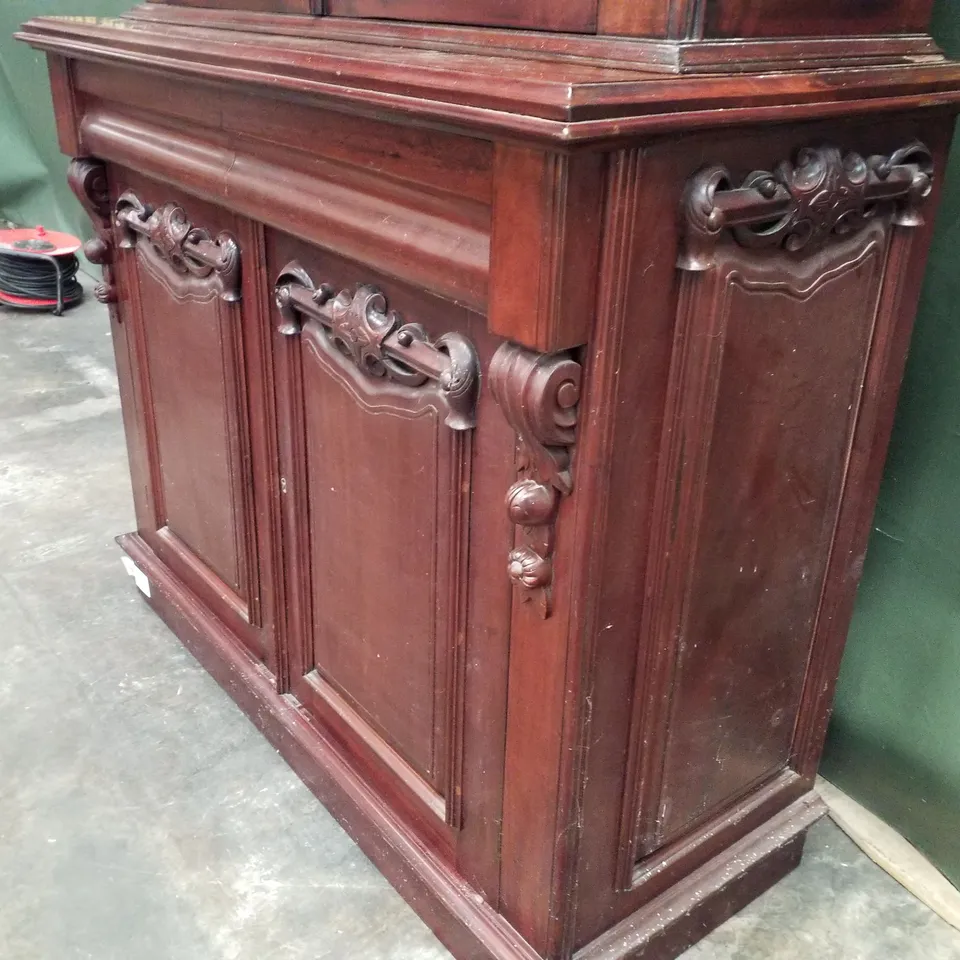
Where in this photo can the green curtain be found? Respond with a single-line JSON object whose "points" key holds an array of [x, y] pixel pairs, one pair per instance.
{"points": [[33, 188], [895, 740], [894, 743]]}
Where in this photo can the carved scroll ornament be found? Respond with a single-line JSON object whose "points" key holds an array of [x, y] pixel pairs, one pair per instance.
{"points": [[359, 326], [538, 394], [88, 180], [189, 251], [801, 205]]}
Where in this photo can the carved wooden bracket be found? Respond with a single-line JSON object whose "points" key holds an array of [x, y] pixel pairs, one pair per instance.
{"points": [[538, 393], [189, 251], [359, 326], [88, 180], [801, 206]]}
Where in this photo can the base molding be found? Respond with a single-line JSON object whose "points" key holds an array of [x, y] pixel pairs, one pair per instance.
{"points": [[468, 926], [691, 909]]}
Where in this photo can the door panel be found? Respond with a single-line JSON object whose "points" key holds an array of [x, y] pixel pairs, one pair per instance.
{"points": [[382, 512], [189, 353], [386, 542], [188, 321]]}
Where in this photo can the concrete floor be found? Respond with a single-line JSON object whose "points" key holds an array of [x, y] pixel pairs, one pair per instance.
{"points": [[142, 817]]}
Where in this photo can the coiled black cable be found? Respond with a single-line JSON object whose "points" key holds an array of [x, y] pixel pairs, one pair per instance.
{"points": [[34, 278]]}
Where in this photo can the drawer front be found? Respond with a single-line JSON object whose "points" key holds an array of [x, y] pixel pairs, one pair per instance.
{"points": [[179, 266], [384, 503]]}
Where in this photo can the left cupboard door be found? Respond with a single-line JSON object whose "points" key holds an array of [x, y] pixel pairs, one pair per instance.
{"points": [[197, 424]]}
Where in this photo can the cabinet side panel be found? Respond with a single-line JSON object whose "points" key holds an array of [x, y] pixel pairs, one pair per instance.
{"points": [[712, 469], [788, 384]]}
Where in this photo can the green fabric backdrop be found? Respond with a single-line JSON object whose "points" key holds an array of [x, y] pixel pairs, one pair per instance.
{"points": [[33, 186], [895, 740]]}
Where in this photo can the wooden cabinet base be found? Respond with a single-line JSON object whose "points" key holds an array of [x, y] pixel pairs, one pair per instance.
{"points": [[506, 416], [464, 923]]}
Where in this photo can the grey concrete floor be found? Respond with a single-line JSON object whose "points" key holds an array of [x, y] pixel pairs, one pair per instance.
{"points": [[142, 817]]}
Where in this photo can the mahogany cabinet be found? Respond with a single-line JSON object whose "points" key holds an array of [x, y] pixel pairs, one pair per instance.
{"points": [[506, 411]]}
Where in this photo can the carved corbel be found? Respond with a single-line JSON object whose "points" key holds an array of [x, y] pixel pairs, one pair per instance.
{"points": [[800, 206], [538, 394], [87, 178], [190, 252], [358, 325]]}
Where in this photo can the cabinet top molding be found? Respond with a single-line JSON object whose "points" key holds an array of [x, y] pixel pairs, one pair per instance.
{"points": [[565, 99]]}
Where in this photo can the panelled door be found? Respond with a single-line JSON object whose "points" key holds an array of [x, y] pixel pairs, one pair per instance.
{"points": [[398, 605], [190, 334]]}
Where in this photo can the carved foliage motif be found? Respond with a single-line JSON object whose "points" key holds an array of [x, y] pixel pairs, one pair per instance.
{"points": [[88, 180], [190, 252], [801, 205], [538, 394], [359, 326]]}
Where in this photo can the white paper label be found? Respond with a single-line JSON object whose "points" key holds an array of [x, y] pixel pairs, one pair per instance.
{"points": [[139, 577]]}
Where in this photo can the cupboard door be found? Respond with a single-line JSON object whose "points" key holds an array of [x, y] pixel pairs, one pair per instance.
{"points": [[379, 433], [179, 264]]}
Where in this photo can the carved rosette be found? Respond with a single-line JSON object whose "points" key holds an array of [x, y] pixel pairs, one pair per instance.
{"points": [[359, 326], [538, 394], [800, 206], [87, 178], [189, 251]]}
